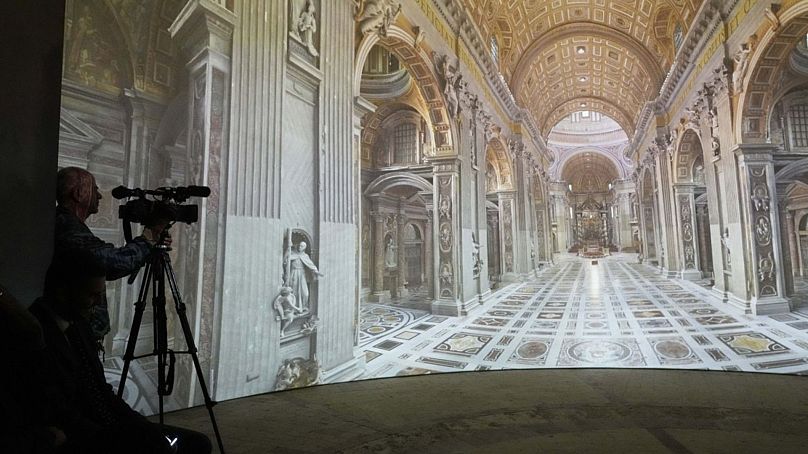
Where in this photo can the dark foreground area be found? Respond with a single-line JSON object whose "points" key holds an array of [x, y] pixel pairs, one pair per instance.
{"points": [[590, 410]]}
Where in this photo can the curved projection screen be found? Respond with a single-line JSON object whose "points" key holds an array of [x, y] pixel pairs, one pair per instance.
{"points": [[373, 214]]}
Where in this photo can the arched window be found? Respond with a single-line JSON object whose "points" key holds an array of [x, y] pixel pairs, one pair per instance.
{"points": [[798, 114], [405, 143]]}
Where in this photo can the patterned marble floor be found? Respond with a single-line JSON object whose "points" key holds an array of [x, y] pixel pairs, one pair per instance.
{"points": [[616, 313]]}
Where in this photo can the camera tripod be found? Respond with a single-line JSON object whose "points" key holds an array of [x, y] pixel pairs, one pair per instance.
{"points": [[157, 269]]}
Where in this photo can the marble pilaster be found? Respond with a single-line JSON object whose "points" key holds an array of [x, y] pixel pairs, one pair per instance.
{"points": [[785, 246], [204, 32], [688, 247], [665, 209], [378, 266], [507, 228], [766, 292], [401, 275], [448, 264]]}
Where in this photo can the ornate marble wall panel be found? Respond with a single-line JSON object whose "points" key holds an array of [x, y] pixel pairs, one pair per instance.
{"points": [[298, 155], [249, 347], [689, 247]]}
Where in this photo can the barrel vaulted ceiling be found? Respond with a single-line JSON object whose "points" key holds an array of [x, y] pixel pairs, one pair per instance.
{"points": [[563, 56]]}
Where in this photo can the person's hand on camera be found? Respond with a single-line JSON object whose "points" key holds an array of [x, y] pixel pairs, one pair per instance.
{"points": [[153, 233]]}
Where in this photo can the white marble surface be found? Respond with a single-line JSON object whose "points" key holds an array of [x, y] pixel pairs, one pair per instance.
{"points": [[614, 314]]}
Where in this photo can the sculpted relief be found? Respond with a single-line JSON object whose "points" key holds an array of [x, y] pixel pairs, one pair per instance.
{"points": [[376, 16], [305, 27]]}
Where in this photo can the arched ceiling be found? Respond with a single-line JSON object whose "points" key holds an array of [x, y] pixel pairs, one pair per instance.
{"points": [[588, 135], [557, 54], [589, 172]]}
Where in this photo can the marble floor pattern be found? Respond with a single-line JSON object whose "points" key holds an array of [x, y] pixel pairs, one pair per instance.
{"points": [[616, 313]]}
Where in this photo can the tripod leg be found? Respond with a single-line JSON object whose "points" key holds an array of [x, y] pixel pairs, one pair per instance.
{"points": [[160, 334], [140, 305], [189, 340]]}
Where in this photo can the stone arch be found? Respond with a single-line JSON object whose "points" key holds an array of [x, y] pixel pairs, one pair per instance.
{"points": [[395, 180], [399, 42], [496, 153], [769, 59], [622, 171], [687, 150], [592, 104], [792, 171], [373, 122]]}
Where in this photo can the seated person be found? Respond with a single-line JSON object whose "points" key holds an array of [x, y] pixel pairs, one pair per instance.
{"points": [[27, 420], [92, 417]]}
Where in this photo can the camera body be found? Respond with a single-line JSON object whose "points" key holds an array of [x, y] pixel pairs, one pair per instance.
{"points": [[165, 206], [149, 212]]}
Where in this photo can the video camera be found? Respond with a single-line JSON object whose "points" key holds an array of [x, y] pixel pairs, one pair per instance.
{"points": [[165, 206]]}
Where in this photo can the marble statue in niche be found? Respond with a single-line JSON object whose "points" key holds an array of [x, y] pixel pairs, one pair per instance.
{"points": [[725, 244], [376, 16], [297, 373], [716, 145], [296, 263], [286, 308], [698, 174], [305, 27], [491, 179], [390, 256]]}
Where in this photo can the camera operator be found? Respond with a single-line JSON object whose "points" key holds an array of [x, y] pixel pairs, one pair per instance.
{"points": [[90, 417], [77, 197]]}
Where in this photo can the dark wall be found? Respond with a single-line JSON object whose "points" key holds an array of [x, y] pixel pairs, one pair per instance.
{"points": [[30, 86]]}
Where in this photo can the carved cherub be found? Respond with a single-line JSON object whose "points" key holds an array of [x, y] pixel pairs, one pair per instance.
{"points": [[286, 307]]}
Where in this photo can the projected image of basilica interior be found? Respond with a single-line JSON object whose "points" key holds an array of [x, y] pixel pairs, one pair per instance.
{"points": [[424, 186]]}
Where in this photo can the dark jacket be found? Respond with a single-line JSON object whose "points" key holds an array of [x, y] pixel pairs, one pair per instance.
{"points": [[92, 416], [71, 233]]}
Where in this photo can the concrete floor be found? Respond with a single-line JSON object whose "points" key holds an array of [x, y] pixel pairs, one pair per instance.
{"points": [[573, 410]]}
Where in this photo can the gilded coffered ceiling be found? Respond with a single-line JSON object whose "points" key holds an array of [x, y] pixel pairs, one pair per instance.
{"points": [[562, 56]]}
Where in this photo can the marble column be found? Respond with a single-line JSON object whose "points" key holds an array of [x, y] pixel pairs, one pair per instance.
{"points": [[562, 215], [791, 239], [624, 189], [507, 228], [335, 172], [144, 120], [666, 209], [688, 249], [379, 293], [705, 250], [401, 220], [204, 32], [523, 214], [760, 220], [785, 244], [429, 252]]}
